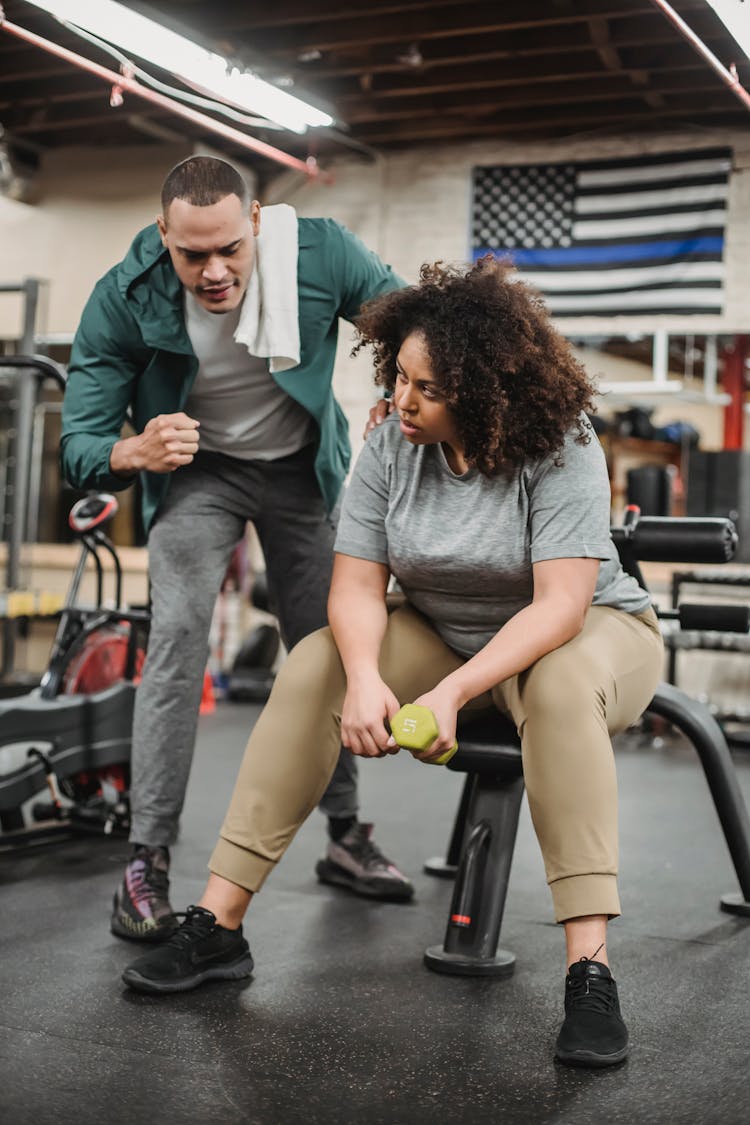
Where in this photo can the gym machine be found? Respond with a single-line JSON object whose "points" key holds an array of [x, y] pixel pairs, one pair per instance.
{"points": [[71, 736]]}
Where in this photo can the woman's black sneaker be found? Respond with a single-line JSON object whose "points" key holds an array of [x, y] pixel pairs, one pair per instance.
{"points": [[200, 950], [593, 1033]]}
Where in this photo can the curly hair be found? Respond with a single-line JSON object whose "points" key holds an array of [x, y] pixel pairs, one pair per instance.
{"points": [[510, 380]]}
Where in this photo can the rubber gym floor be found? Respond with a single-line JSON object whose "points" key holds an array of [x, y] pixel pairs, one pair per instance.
{"points": [[341, 1023]]}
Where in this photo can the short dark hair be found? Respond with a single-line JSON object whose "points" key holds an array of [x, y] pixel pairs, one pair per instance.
{"points": [[201, 181], [509, 378]]}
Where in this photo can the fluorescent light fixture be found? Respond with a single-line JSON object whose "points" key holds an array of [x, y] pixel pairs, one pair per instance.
{"points": [[735, 15], [148, 40]]}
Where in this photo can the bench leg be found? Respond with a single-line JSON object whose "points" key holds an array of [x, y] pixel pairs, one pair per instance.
{"points": [[448, 868], [476, 913], [700, 727]]}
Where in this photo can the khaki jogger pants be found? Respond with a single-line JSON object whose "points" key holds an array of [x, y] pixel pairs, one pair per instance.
{"points": [[565, 707]]}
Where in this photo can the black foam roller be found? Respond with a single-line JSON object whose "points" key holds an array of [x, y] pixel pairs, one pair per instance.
{"points": [[721, 618], [677, 539]]}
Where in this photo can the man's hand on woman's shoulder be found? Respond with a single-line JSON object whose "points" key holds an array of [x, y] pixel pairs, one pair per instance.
{"points": [[378, 414]]}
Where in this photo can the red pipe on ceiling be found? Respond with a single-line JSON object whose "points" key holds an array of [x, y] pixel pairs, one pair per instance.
{"points": [[121, 82], [728, 76]]}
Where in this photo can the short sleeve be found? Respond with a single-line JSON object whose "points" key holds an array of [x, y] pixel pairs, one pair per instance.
{"points": [[569, 504], [361, 531]]}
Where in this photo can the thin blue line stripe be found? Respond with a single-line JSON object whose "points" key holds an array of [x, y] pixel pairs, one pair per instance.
{"points": [[583, 255]]}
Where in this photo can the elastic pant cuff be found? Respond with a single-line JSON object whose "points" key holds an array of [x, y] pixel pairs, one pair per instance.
{"points": [[152, 833], [579, 895], [245, 868], [338, 810]]}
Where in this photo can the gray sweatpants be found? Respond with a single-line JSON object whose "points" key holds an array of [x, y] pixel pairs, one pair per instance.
{"points": [[190, 545]]}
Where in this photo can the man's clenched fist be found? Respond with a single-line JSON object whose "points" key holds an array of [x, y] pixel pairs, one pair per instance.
{"points": [[168, 442]]}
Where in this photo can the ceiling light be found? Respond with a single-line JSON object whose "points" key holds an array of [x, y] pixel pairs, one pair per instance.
{"points": [[735, 15], [194, 64]]}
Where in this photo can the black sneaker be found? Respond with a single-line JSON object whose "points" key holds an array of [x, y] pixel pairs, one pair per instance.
{"points": [[593, 1033], [141, 910], [200, 950], [356, 862]]}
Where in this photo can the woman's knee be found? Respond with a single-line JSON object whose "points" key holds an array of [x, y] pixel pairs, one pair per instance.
{"points": [[313, 665], [562, 688]]}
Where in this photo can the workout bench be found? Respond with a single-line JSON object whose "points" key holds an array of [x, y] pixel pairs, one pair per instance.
{"points": [[480, 851]]}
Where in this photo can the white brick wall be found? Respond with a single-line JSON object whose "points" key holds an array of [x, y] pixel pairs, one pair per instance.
{"points": [[413, 207], [409, 206]]}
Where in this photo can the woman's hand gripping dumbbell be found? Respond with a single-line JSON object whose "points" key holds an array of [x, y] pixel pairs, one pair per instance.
{"points": [[415, 728], [372, 726]]}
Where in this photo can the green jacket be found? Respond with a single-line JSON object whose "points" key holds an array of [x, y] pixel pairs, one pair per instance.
{"points": [[132, 351]]}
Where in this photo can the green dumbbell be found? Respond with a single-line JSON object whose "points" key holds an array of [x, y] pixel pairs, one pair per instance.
{"points": [[415, 728]]}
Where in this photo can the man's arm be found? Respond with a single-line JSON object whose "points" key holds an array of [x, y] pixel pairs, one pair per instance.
{"points": [[363, 275], [106, 363], [366, 277], [104, 368]]}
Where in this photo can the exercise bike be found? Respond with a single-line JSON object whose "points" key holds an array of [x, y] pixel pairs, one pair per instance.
{"points": [[70, 738]]}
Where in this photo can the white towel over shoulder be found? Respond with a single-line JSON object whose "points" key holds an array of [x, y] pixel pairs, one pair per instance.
{"points": [[269, 324]]}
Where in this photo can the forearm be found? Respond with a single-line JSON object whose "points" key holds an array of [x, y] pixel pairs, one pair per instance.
{"points": [[125, 458], [531, 633], [358, 620]]}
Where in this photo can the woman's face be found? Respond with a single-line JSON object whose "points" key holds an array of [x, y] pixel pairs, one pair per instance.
{"points": [[425, 417]]}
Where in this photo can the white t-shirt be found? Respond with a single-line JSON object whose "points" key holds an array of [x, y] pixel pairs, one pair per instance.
{"points": [[242, 410]]}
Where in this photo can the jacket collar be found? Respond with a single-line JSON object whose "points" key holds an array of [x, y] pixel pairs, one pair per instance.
{"points": [[152, 290]]}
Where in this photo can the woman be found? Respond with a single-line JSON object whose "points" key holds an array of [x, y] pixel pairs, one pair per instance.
{"points": [[486, 496]]}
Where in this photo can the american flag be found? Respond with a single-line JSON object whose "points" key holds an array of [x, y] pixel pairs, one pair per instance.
{"points": [[608, 238]]}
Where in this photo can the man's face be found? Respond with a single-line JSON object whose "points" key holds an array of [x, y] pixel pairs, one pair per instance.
{"points": [[212, 249]]}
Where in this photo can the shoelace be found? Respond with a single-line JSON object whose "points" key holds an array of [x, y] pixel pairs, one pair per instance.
{"points": [[594, 993], [198, 924]]}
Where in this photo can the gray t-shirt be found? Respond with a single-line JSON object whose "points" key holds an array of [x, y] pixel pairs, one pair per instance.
{"points": [[462, 547], [242, 410]]}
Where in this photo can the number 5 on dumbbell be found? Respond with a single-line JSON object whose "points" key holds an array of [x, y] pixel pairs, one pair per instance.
{"points": [[415, 728]]}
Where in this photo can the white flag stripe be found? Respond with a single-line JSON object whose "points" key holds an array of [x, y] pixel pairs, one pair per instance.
{"points": [[650, 225], [644, 299], [651, 173], [635, 201], [599, 280]]}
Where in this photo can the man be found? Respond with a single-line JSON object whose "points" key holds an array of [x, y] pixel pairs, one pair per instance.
{"points": [[218, 331]]}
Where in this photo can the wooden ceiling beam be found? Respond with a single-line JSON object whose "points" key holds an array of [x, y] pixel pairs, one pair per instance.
{"points": [[44, 124], [582, 124], [555, 86], [35, 101], [498, 53], [295, 12], [610, 88], [8, 78], [451, 22], [601, 40]]}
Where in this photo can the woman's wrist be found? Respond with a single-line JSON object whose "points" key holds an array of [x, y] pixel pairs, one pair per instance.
{"points": [[361, 672], [457, 689]]}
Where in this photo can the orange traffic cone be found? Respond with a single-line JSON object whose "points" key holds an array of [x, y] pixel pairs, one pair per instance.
{"points": [[208, 699]]}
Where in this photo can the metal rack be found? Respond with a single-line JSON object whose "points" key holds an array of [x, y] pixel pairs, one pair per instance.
{"points": [[29, 372], [711, 639]]}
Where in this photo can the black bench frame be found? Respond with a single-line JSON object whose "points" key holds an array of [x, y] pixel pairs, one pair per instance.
{"points": [[480, 851]]}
